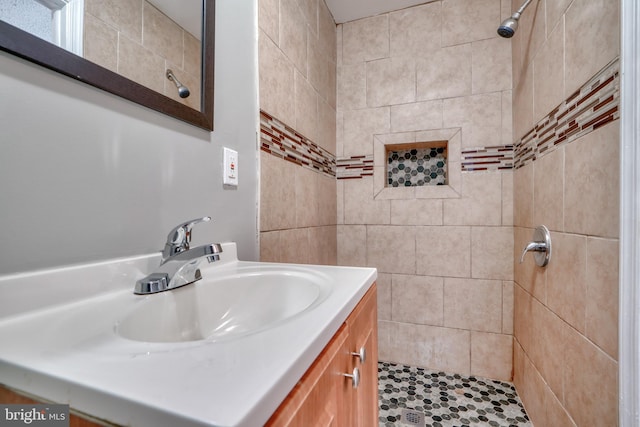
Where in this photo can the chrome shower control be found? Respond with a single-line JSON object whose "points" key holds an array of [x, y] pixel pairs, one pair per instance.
{"points": [[540, 246]]}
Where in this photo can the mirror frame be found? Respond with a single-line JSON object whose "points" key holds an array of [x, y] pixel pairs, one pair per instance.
{"points": [[41, 52]]}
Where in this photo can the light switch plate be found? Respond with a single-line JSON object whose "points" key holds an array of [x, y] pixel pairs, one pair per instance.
{"points": [[230, 167]]}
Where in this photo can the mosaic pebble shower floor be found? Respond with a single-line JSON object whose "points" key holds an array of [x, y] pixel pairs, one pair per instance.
{"points": [[411, 396]]}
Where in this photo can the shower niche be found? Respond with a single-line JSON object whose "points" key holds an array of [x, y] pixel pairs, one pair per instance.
{"points": [[416, 164]]}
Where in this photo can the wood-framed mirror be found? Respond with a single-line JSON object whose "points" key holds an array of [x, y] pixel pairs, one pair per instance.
{"points": [[162, 94]]}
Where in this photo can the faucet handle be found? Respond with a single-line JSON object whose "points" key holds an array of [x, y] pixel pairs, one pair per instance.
{"points": [[178, 239]]}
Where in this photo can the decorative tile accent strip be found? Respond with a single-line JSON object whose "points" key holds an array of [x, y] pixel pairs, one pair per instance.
{"points": [[594, 105], [417, 167], [282, 141], [354, 167], [488, 158]]}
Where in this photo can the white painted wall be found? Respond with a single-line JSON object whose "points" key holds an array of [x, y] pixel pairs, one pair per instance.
{"points": [[85, 175]]}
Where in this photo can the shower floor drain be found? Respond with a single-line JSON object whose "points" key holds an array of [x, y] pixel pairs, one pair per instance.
{"points": [[412, 417]]}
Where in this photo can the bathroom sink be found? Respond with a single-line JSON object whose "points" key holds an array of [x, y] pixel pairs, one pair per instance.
{"points": [[226, 306]]}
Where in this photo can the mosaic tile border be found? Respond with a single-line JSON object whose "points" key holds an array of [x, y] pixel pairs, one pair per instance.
{"points": [[499, 157], [280, 140], [594, 105], [354, 167]]}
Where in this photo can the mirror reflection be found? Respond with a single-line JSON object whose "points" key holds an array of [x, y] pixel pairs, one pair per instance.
{"points": [[138, 39]]}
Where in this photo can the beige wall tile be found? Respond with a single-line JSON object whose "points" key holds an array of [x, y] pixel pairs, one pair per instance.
{"points": [[340, 201], [352, 245], [492, 253], [490, 66], [443, 251], [193, 57], [277, 200], [518, 367], [523, 103], [533, 392], [532, 30], [325, 188], [161, 35], [276, 80], [430, 346], [555, 11], [310, 10], [481, 201], [445, 73], [566, 274], [384, 296], [359, 205], [306, 108], [417, 299], [270, 249], [327, 32], [507, 307], [124, 15], [473, 304], [479, 116], [597, 22], [592, 181], [140, 64], [365, 39], [269, 18], [602, 294], [491, 355], [507, 117], [548, 74], [548, 190], [507, 197], [416, 116], [416, 212], [319, 68], [522, 325], [587, 369], [352, 86], [359, 128], [415, 30], [391, 81], [523, 196], [307, 197], [323, 245], [464, 21], [295, 246], [100, 43], [548, 344], [293, 34], [326, 126], [391, 249]]}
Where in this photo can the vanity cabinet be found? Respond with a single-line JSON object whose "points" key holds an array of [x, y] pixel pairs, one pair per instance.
{"points": [[325, 395]]}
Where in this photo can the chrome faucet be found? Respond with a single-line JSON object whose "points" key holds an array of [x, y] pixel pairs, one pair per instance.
{"points": [[180, 264]]}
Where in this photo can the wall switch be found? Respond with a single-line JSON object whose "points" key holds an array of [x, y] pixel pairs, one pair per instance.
{"points": [[230, 168]]}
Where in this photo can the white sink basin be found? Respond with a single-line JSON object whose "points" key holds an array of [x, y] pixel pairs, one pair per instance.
{"points": [[229, 305]]}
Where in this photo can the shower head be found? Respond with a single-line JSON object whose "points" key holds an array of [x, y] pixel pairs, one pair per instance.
{"points": [[509, 26], [183, 91]]}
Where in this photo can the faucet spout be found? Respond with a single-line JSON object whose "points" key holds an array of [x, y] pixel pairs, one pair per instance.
{"points": [[180, 263]]}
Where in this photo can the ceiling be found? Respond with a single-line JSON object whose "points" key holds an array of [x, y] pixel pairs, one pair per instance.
{"points": [[350, 10]]}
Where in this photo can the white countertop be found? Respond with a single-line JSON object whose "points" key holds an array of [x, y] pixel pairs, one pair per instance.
{"points": [[57, 330]]}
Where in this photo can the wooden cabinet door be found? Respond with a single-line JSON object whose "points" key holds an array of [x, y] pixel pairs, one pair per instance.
{"points": [[363, 333], [318, 399]]}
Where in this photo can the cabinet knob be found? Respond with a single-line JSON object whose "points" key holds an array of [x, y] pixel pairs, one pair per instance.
{"points": [[362, 354], [355, 377]]}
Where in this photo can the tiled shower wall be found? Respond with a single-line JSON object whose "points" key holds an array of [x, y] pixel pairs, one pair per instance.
{"points": [[138, 41], [566, 315], [297, 60], [444, 254]]}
